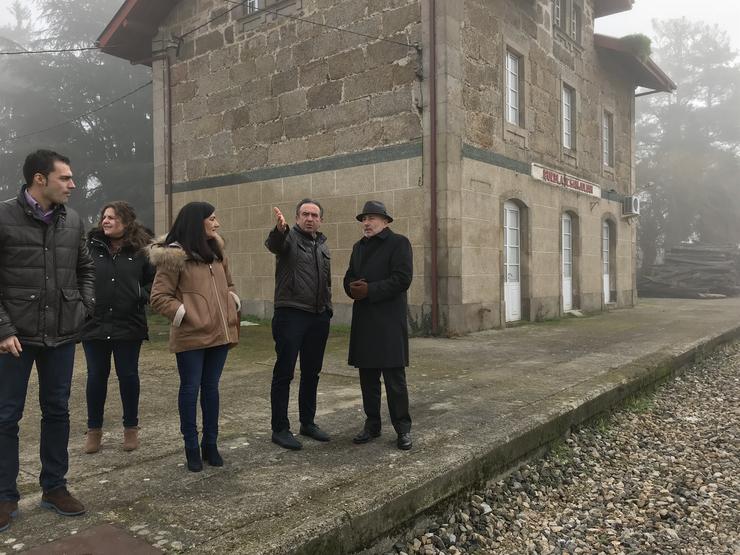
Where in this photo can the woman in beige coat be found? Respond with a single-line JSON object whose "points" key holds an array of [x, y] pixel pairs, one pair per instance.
{"points": [[193, 289]]}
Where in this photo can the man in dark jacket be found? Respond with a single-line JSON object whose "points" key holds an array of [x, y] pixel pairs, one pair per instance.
{"points": [[379, 274], [300, 324], [46, 293]]}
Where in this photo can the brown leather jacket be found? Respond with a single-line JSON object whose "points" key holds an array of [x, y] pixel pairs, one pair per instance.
{"points": [[197, 298]]}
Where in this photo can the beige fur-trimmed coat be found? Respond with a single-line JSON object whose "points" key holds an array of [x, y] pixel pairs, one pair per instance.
{"points": [[196, 297]]}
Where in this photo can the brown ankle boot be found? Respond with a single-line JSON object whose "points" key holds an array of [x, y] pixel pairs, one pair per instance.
{"points": [[93, 439], [130, 438]]}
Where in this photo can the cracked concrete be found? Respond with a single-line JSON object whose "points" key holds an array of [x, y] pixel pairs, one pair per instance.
{"points": [[479, 403]]}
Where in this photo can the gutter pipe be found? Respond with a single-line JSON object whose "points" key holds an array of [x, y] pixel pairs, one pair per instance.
{"points": [[433, 239]]}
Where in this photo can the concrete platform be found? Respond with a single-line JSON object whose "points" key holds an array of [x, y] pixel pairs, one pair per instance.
{"points": [[479, 404]]}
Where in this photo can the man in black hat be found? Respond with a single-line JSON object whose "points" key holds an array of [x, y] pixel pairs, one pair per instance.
{"points": [[379, 274]]}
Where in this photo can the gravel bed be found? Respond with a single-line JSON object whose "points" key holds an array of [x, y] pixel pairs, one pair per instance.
{"points": [[661, 476]]}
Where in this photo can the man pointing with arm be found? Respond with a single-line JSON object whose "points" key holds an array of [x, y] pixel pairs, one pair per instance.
{"points": [[300, 324]]}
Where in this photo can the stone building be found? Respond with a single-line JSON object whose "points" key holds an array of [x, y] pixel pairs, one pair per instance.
{"points": [[499, 133]]}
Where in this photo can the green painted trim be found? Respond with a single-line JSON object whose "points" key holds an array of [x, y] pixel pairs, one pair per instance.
{"points": [[488, 157], [495, 159], [376, 156]]}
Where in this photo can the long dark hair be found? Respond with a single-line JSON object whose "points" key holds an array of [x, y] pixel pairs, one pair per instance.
{"points": [[135, 235], [189, 231]]}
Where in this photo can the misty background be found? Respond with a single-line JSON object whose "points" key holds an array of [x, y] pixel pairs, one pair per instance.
{"points": [[688, 143]]}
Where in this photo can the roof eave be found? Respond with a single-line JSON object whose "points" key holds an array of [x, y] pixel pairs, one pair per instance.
{"points": [[602, 8], [129, 34], [646, 72]]}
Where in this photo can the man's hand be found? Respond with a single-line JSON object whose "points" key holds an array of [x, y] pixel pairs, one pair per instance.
{"points": [[11, 345], [358, 289], [281, 224]]}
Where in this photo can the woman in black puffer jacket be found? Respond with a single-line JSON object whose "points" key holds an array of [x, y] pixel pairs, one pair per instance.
{"points": [[123, 280]]}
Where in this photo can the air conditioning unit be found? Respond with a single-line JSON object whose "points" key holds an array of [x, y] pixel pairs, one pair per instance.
{"points": [[631, 206]]}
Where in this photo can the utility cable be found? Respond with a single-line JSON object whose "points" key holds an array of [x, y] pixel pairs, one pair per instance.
{"points": [[71, 120], [48, 51], [296, 18]]}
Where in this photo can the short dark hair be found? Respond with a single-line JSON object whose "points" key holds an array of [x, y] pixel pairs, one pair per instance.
{"points": [[42, 161], [309, 201], [188, 231]]}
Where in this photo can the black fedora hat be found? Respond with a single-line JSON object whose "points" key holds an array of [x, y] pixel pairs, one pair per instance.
{"points": [[374, 207]]}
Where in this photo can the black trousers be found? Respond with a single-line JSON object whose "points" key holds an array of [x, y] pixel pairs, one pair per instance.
{"points": [[297, 332], [396, 393]]}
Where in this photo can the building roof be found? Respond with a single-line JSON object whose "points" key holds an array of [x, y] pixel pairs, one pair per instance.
{"points": [[129, 34], [645, 71], [609, 7]]}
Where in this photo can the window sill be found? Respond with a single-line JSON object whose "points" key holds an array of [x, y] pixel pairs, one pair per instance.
{"points": [[570, 156], [250, 21], [566, 40], [516, 135]]}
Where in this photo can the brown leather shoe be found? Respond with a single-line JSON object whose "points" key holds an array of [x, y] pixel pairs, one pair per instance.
{"points": [[8, 511], [61, 501], [131, 438], [93, 439]]}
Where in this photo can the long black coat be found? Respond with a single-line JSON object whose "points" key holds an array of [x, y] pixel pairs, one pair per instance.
{"points": [[123, 282], [379, 336]]}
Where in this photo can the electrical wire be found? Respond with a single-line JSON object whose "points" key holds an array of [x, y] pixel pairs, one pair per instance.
{"points": [[296, 18], [72, 120], [180, 38], [48, 51]]}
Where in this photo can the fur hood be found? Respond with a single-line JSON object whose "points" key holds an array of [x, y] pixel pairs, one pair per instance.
{"points": [[172, 256]]}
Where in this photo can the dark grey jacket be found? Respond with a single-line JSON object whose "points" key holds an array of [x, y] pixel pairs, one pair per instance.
{"points": [[47, 278], [303, 271]]}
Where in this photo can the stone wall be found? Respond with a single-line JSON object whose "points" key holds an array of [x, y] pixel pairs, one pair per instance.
{"points": [[269, 110], [549, 59], [244, 211], [485, 188], [252, 94], [273, 94], [487, 30]]}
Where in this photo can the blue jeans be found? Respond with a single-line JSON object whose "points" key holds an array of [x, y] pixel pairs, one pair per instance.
{"points": [[54, 366], [297, 332], [200, 371], [126, 356]]}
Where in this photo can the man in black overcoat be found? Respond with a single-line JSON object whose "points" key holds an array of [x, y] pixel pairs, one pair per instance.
{"points": [[379, 274]]}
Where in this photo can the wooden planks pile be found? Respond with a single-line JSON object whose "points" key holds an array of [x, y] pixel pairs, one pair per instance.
{"points": [[694, 271]]}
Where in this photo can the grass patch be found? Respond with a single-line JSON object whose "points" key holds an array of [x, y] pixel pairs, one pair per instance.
{"points": [[256, 345], [640, 403], [560, 452]]}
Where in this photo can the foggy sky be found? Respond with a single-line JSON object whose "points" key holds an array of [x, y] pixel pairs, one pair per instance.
{"points": [[725, 13]]}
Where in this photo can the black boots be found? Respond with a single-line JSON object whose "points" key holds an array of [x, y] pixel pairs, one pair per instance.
{"points": [[195, 464], [211, 455]]}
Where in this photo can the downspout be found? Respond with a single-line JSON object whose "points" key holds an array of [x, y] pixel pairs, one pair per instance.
{"points": [[168, 138], [433, 162]]}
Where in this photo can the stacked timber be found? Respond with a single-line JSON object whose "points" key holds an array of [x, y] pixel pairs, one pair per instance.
{"points": [[694, 271]]}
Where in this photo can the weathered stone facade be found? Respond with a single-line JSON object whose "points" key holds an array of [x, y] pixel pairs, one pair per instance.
{"points": [[268, 109]]}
